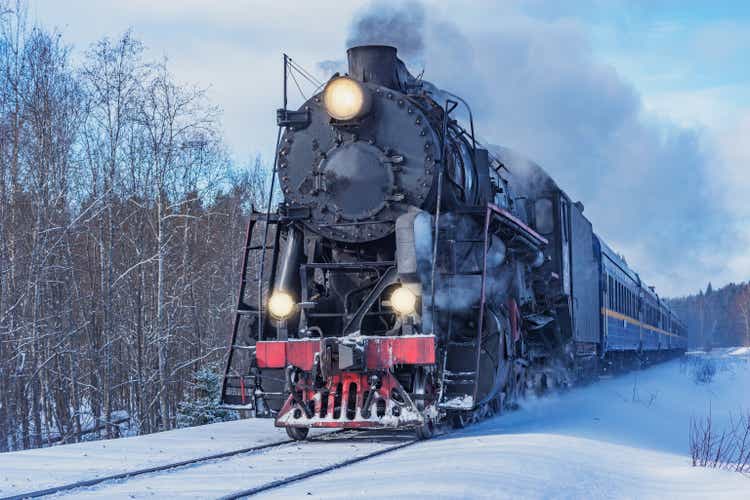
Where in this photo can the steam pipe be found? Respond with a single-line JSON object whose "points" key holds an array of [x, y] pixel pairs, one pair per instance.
{"points": [[288, 279], [265, 232]]}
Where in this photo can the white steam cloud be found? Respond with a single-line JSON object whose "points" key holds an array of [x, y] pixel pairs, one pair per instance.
{"points": [[535, 87]]}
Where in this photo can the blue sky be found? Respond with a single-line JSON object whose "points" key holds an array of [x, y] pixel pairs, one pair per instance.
{"points": [[667, 48], [681, 49], [639, 108]]}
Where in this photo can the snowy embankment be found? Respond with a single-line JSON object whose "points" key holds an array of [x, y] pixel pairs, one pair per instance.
{"points": [[621, 437], [625, 437]]}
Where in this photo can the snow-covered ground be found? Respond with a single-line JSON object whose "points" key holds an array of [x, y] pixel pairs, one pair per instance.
{"points": [[624, 437], [46, 467], [222, 477]]}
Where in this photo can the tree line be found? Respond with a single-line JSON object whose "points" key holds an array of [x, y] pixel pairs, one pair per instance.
{"points": [[121, 225], [716, 318]]}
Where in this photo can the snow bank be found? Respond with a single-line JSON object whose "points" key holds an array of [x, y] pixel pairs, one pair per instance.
{"points": [[624, 437], [524, 465]]}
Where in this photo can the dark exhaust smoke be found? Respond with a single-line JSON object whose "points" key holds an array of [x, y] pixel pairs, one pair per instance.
{"points": [[399, 26]]}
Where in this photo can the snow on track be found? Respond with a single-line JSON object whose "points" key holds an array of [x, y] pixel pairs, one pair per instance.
{"points": [[43, 468], [243, 472]]}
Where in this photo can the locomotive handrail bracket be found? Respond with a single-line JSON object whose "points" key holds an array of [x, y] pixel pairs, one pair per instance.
{"points": [[287, 213], [289, 118], [350, 266], [256, 215]]}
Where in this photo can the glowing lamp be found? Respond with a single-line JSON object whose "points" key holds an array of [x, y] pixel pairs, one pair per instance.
{"points": [[403, 301], [346, 99], [280, 305]]}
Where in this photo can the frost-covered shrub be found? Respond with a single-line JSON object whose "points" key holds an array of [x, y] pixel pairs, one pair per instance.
{"points": [[723, 449], [204, 407], [704, 370]]}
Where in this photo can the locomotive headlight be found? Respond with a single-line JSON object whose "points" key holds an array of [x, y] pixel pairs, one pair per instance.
{"points": [[280, 305], [403, 301], [346, 99]]}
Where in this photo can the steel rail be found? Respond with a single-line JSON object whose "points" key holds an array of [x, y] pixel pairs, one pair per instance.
{"points": [[243, 493], [279, 483], [139, 472], [159, 468]]}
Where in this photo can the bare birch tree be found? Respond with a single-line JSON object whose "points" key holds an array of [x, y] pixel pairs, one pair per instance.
{"points": [[121, 226]]}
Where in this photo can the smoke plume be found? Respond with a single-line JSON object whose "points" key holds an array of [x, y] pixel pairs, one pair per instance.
{"points": [[536, 87], [385, 24]]}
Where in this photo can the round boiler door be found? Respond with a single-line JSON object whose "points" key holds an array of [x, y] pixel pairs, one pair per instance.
{"points": [[357, 181]]}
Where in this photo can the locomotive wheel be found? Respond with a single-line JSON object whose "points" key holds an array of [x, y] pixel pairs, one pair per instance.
{"points": [[459, 420], [496, 406], [297, 433], [426, 430], [519, 384]]}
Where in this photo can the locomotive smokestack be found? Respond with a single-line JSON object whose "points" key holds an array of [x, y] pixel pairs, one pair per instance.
{"points": [[375, 64]]}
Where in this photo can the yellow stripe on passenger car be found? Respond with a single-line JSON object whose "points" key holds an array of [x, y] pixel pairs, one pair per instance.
{"points": [[630, 319]]}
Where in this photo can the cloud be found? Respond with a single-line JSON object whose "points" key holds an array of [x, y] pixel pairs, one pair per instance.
{"points": [[233, 48], [721, 41], [714, 108], [644, 181], [730, 187]]}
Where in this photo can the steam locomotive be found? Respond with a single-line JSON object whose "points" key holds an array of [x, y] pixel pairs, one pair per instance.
{"points": [[412, 276]]}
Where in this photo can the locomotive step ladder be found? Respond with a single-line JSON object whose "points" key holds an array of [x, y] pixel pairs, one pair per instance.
{"points": [[240, 378], [458, 388]]}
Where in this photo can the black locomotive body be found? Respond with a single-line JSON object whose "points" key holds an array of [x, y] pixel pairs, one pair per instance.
{"points": [[411, 275]]}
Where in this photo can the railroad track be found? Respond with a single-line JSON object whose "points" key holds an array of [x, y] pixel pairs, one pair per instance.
{"points": [[321, 449], [314, 472], [139, 472]]}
